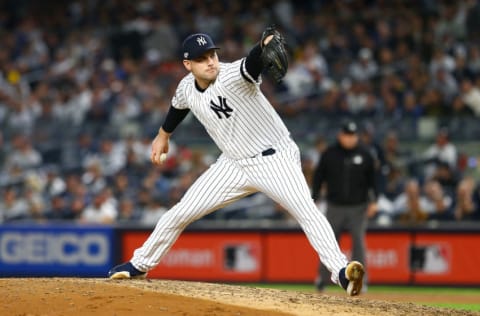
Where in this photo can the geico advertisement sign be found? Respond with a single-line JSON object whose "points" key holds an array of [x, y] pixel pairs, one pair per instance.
{"points": [[60, 248]]}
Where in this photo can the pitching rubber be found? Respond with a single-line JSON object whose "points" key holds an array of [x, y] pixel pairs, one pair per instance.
{"points": [[354, 272]]}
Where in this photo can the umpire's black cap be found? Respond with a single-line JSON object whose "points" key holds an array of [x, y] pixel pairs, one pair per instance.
{"points": [[349, 127], [196, 45]]}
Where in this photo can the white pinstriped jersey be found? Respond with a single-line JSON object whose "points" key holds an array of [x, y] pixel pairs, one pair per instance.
{"points": [[234, 111], [242, 123]]}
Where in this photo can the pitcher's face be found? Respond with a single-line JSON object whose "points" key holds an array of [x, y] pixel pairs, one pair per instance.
{"points": [[205, 68]]}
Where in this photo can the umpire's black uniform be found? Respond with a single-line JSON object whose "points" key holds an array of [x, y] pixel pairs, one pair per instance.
{"points": [[348, 170]]}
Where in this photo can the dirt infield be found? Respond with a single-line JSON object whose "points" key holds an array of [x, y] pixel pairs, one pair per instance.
{"points": [[70, 296]]}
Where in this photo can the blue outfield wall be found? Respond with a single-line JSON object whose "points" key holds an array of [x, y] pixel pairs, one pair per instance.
{"points": [[30, 250]]}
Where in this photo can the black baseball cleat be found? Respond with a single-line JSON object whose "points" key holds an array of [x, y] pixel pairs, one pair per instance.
{"points": [[126, 271], [351, 278]]}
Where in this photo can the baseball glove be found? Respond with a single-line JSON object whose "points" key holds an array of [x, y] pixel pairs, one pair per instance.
{"points": [[274, 55]]}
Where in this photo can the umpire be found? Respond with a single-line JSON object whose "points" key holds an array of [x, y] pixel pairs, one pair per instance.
{"points": [[348, 170]]}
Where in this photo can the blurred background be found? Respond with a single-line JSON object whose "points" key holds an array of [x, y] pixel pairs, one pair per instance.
{"points": [[85, 85]]}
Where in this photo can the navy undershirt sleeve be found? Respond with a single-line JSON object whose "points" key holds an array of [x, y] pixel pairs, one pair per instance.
{"points": [[173, 118], [253, 62]]}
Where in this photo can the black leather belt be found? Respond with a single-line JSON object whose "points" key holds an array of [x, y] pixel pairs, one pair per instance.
{"points": [[268, 152]]}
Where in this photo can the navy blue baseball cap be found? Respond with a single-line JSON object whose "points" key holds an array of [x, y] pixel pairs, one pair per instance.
{"points": [[196, 45]]}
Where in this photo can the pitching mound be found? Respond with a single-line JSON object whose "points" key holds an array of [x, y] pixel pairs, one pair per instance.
{"points": [[62, 296]]}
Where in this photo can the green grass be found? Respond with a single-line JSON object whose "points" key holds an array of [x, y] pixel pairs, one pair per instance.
{"points": [[468, 307], [392, 289], [374, 288]]}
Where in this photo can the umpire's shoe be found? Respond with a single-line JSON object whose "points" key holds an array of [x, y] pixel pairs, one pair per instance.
{"points": [[126, 271], [351, 278]]}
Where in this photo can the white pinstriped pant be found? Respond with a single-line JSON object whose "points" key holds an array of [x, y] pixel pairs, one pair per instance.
{"points": [[279, 176]]}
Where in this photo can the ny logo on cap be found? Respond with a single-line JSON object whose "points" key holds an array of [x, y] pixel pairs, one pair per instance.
{"points": [[201, 41]]}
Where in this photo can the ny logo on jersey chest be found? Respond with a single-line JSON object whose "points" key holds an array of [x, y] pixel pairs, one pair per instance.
{"points": [[221, 108]]}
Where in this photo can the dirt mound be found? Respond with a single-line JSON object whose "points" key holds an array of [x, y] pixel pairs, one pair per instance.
{"points": [[70, 296]]}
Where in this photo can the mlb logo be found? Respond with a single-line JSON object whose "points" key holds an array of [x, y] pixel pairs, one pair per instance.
{"points": [[430, 259]]}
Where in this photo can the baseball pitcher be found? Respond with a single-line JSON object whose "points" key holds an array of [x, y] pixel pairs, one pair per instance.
{"points": [[258, 153]]}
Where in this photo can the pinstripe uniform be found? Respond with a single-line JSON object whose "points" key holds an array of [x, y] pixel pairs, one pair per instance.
{"points": [[257, 155]]}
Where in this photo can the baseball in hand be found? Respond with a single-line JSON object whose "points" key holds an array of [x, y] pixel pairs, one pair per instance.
{"points": [[163, 157]]}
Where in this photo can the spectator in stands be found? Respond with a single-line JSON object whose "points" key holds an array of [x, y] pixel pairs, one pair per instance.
{"points": [[140, 148], [127, 110], [359, 100], [329, 103], [92, 175], [20, 118], [460, 108], [179, 187], [461, 65], [471, 95], [102, 209], [23, 154], [433, 103], [58, 209], [111, 156], [386, 60], [394, 176], [312, 157], [32, 191], [122, 186], [13, 205], [319, 145], [391, 108], [447, 177], [127, 211], [307, 75], [474, 55], [437, 205], [409, 207], [47, 132], [76, 153], [444, 82], [365, 67], [152, 211], [441, 60], [368, 140], [54, 183], [76, 195], [411, 107], [156, 182], [465, 206], [450, 26], [394, 154], [443, 150]]}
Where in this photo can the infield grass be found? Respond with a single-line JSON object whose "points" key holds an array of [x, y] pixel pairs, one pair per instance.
{"points": [[384, 289]]}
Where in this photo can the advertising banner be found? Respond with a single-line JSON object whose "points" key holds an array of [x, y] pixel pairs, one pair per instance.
{"points": [[446, 258], [208, 256], [397, 257], [268, 256], [50, 250]]}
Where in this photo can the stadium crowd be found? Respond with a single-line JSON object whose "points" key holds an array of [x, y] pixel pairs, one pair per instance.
{"points": [[85, 85]]}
